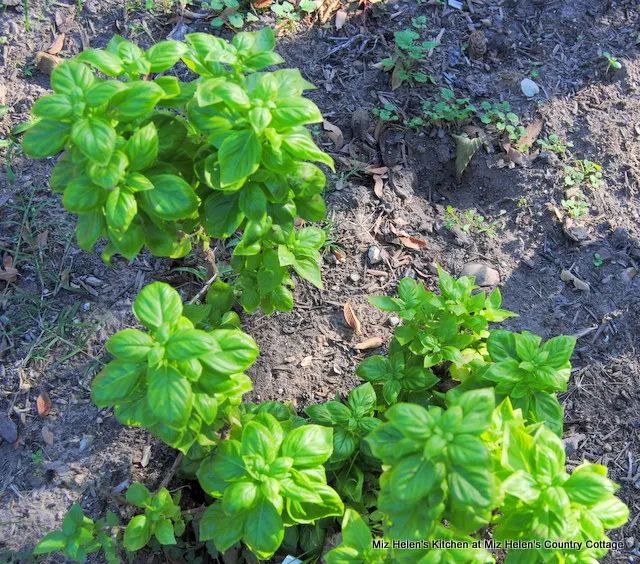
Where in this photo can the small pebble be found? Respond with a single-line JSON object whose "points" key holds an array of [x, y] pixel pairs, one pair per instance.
{"points": [[529, 88], [394, 321], [630, 542], [98, 420], [280, 390], [484, 275], [354, 277], [374, 255]]}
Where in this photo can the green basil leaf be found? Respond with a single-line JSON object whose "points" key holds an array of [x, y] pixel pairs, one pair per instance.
{"points": [[165, 54], [374, 369], [329, 413], [107, 63], [115, 382], [226, 466], [54, 106], [164, 532], [109, 176], [138, 533], [137, 182], [52, 542], [309, 269], [206, 406], [501, 346], [142, 147], [138, 495], [219, 90], [129, 243], [216, 525], [120, 209], [312, 208], [560, 350], [362, 400], [282, 299], [69, 76], [236, 352], [95, 138], [239, 156], [91, 226], [259, 118], [611, 512], [169, 396], [81, 195], [263, 60], [309, 445], [156, 304], [45, 138], [253, 202], [385, 303], [298, 142], [136, 101], [130, 344], [103, 91], [264, 530], [171, 87], [295, 110], [189, 344], [221, 215], [171, 198]]}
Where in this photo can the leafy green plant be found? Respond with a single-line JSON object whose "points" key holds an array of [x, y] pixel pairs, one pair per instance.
{"points": [[269, 476], [179, 382], [554, 144], [448, 109], [576, 206], [419, 22], [597, 260], [164, 163], [350, 422], [387, 113], [229, 13], [583, 171], [81, 536], [470, 220], [612, 62], [407, 54], [162, 517], [499, 115]]}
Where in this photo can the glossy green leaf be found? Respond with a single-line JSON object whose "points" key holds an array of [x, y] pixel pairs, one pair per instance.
{"points": [[165, 54], [70, 77], [130, 344], [156, 304], [45, 138], [95, 138], [188, 344], [142, 147], [239, 156], [138, 533], [107, 63], [169, 395], [137, 101], [115, 382], [309, 445]]}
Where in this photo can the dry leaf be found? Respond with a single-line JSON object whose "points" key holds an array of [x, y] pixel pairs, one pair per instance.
{"points": [[351, 319], [341, 18], [372, 272], [339, 256], [146, 456], [57, 45], [42, 239], [377, 170], [306, 361], [413, 243], [532, 131], [378, 186], [43, 403], [47, 435], [371, 343], [7, 272], [396, 78], [45, 62], [262, 3], [334, 133], [465, 149], [566, 276]]}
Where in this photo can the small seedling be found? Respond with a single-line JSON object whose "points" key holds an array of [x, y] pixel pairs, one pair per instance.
{"points": [[503, 119], [406, 55], [554, 144], [470, 220], [36, 457], [612, 62], [583, 171], [420, 22], [414, 123], [597, 260], [577, 206], [387, 113], [448, 108]]}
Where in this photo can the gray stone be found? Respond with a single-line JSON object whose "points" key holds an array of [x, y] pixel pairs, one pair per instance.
{"points": [[485, 275]]}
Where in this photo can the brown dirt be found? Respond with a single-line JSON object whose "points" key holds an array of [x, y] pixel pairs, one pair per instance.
{"points": [[55, 320]]}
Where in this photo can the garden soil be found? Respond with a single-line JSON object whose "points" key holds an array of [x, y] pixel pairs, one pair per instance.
{"points": [[562, 277]]}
